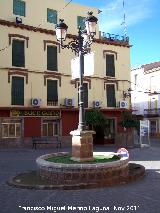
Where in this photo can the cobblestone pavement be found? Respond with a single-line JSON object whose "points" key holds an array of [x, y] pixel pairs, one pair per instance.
{"points": [[142, 196]]}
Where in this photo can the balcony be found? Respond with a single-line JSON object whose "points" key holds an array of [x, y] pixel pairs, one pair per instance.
{"points": [[152, 112], [52, 103], [115, 38]]}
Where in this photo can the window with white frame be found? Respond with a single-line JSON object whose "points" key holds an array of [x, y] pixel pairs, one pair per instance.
{"points": [[52, 64], [50, 128], [18, 53], [110, 65], [17, 91], [111, 96], [81, 22], [51, 16], [11, 130], [19, 7], [52, 93]]}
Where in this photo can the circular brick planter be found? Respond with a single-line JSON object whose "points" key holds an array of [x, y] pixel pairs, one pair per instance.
{"points": [[99, 174]]}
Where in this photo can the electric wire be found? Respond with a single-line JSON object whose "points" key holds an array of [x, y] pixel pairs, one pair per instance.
{"points": [[4, 48], [65, 6]]}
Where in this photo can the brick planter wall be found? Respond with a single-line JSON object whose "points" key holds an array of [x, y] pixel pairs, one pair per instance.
{"points": [[90, 174]]}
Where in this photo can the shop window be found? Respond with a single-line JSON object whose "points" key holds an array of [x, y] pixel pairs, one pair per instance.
{"points": [[18, 58], [51, 16], [19, 7], [81, 22], [110, 66], [52, 58], [50, 128], [17, 92], [11, 130], [52, 93], [111, 100]]}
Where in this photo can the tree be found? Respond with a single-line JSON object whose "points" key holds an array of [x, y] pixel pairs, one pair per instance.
{"points": [[96, 121], [129, 120], [95, 118]]}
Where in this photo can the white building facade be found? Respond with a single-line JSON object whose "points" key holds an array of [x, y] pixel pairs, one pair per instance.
{"points": [[145, 95]]}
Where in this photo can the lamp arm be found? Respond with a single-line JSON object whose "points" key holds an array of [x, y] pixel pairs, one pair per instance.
{"points": [[74, 46]]}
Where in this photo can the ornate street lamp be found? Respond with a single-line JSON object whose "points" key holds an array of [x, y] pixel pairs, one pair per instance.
{"points": [[90, 23], [61, 31], [80, 45]]}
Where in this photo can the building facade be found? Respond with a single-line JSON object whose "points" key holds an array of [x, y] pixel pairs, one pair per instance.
{"points": [[37, 94], [146, 94]]}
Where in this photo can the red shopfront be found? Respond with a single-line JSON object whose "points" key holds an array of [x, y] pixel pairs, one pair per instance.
{"points": [[18, 126]]}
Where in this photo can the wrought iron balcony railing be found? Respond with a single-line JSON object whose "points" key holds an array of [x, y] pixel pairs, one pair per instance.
{"points": [[52, 103], [152, 112], [113, 37]]}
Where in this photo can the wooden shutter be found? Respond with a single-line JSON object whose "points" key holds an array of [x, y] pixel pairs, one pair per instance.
{"points": [[51, 16], [81, 22], [18, 58], [52, 93], [85, 95], [19, 7], [52, 58], [17, 90], [23, 8], [111, 100], [110, 67]]}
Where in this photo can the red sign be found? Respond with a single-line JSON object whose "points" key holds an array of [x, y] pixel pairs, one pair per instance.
{"points": [[123, 152]]}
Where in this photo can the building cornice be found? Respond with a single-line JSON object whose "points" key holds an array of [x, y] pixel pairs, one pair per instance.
{"points": [[56, 73], [60, 109], [18, 36], [51, 32], [20, 72], [52, 75]]}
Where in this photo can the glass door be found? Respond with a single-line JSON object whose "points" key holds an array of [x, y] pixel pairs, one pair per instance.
{"points": [[109, 132]]}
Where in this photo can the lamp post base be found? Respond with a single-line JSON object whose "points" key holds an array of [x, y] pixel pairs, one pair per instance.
{"points": [[82, 145]]}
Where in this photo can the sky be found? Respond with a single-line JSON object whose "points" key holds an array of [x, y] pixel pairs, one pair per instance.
{"points": [[142, 25]]}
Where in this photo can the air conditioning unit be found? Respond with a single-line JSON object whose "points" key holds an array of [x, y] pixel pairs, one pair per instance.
{"points": [[123, 104], [18, 20], [96, 104], [35, 101], [69, 102]]}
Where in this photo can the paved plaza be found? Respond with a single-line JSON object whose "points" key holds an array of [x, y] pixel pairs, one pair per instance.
{"points": [[142, 196]]}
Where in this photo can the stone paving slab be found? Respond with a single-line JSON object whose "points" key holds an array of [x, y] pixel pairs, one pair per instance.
{"points": [[142, 196]]}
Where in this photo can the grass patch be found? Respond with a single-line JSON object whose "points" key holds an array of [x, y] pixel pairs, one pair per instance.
{"points": [[31, 178], [97, 159]]}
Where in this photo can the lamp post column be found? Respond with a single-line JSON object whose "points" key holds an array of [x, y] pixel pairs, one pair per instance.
{"points": [[82, 139], [81, 125]]}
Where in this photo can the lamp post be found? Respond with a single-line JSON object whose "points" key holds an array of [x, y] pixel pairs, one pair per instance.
{"points": [[80, 45]]}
